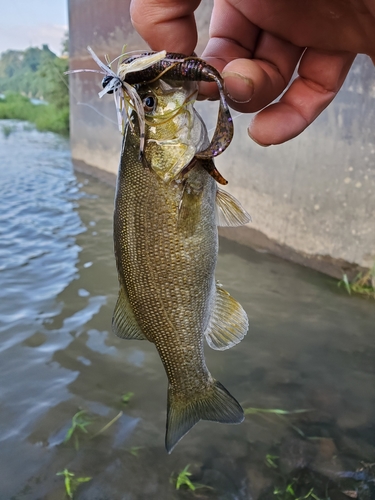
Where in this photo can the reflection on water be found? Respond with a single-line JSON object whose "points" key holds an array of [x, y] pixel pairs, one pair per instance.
{"points": [[309, 347]]}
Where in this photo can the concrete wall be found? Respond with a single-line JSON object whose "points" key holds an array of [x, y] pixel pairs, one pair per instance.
{"points": [[312, 200]]}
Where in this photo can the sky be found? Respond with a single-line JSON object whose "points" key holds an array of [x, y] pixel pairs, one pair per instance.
{"points": [[25, 23]]}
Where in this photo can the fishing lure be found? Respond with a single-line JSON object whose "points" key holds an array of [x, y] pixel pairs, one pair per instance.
{"points": [[146, 67]]}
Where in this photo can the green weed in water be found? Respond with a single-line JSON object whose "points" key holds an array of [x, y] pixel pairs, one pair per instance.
{"points": [[125, 398], [79, 423], [134, 450], [275, 411], [72, 482], [183, 480], [281, 414], [288, 493], [107, 426], [363, 283], [270, 461]]}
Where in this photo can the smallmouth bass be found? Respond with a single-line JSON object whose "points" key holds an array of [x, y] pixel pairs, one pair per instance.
{"points": [[167, 209]]}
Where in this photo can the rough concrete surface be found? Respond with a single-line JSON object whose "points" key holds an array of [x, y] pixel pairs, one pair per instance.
{"points": [[311, 199]]}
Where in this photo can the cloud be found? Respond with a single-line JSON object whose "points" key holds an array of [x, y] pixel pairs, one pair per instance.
{"points": [[21, 37]]}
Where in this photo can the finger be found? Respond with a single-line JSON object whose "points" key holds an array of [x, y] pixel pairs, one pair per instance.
{"points": [[166, 24], [255, 64], [321, 75]]}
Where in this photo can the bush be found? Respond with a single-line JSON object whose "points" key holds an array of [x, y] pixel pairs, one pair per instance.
{"points": [[45, 117]]}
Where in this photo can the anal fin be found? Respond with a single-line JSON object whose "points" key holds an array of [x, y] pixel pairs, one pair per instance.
{"points": [[229, 211], [124, 323], [228, 323]]}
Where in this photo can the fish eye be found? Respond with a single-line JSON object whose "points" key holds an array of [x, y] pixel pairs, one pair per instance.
{"points": [[149, 103]]}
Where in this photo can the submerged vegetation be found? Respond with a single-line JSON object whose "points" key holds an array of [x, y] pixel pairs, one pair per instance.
{"points": [[183, 479], [79, 423], [362, 284], [71, 482], [35, 74]]}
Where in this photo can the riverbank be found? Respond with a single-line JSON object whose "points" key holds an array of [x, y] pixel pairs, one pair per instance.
{"points": [[46, 117]]}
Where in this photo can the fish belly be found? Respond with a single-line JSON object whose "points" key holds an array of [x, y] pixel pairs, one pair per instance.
{"points": [[166, 245]]}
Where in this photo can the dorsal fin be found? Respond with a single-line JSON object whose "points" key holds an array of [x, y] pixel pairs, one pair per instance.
{"points": [[228, 323], [229, 211], [124, 324]]}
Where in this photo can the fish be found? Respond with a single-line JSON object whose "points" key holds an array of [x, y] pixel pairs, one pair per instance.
{"points": [[167, 210]]}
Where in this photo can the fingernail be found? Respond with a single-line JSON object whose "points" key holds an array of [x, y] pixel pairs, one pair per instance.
{"points": [[239, 88], [256, 141]]}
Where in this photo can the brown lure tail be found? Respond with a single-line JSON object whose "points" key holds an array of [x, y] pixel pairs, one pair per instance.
{"points": [[215, 404]]}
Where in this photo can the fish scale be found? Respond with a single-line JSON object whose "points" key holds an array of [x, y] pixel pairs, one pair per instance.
{"points": [[166, 244]]}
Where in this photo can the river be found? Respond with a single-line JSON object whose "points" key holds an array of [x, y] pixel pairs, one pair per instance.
{"points": [[309, 352]]}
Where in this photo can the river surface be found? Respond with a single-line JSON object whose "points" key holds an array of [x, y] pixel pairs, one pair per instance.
{"points": [[310, 347]]}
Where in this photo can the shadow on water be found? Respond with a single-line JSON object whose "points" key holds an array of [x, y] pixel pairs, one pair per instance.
{"points": [[310, 347]]}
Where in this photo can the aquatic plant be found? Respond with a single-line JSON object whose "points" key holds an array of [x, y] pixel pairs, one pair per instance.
{"points": [[125, 398], [270, 461], [79, 423], [134, 450], [182, 479], [288, 493], [71, 482], [281, 414], [275, 411], [107, 426], [362, 284]]}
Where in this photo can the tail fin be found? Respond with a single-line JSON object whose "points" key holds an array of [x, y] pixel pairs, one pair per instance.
{"points": [[215, 404]]}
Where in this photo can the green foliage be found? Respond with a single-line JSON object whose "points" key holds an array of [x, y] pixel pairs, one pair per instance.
{"points": [[363, 283], [45, 117], [72, 482], [79, 423], [182, 479], [36, 73], [270, 461], [125, 398], [288, 493], [134, 450], [19, 70]]}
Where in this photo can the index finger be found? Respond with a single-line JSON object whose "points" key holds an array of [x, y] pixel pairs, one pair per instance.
{"points": [[166, 24]]}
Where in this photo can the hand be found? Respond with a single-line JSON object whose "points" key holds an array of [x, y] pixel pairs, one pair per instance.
{"points": [[258, 44]]}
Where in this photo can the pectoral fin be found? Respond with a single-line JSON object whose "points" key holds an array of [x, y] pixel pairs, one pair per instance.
{"points": [[229, 211], [124, 324], [228, 323]]}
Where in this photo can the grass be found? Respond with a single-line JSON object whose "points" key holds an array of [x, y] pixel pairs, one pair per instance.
{"points": [[125, 398], [275, 411], [183, 480], [362, 284], [281, 414], [46, 117], [79, 423], [288, 493], [71, 482], [134, 450], [270, 461]]}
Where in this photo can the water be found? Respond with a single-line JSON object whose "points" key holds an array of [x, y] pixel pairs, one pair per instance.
{"points": [[310, 346]]}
